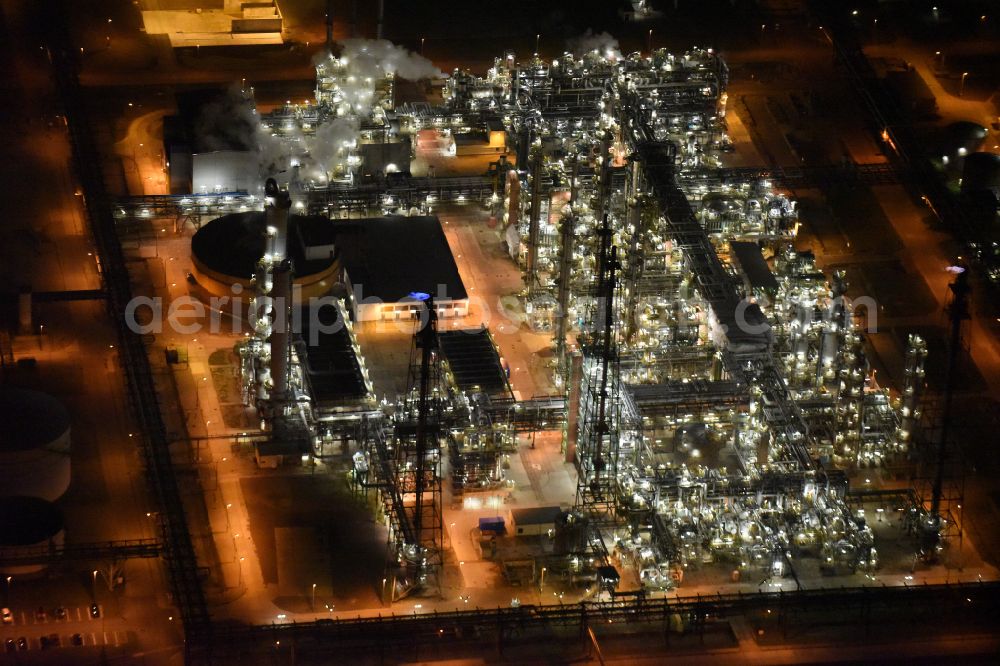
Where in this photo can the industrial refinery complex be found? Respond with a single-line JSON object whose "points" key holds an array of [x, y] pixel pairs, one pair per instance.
{"points": [[495, 353]]}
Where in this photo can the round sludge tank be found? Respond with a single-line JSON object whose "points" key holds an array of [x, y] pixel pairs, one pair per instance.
{"points": [[34, 444], [27, 525], [981, 171], [226, 252]]}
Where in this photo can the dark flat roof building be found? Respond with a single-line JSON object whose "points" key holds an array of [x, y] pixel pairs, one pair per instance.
{"points": [[330, 363], [753, 265], [474, 361], [386, 259]]}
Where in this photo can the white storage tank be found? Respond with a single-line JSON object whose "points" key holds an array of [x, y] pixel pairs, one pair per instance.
{"points": [[27, 525], [34, 444]]}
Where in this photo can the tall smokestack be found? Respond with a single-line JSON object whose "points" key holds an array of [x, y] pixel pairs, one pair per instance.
{"points": [[276, 220], [329, 26], [381, 17], [281, 335], [276, 216]]}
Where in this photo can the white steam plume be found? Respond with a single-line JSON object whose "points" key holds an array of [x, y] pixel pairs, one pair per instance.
{"points": [[602, 42], [332, 139], [232, 123], [228, 122], [370, 57], [363, 63]]}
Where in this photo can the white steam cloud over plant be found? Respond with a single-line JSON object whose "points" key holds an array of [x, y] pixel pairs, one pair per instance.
{"points": [[369, 57], [589, 41], [365, 62], [232, 121]]}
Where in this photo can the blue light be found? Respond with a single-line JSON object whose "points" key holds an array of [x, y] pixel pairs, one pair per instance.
{"points": [[420, 296]]}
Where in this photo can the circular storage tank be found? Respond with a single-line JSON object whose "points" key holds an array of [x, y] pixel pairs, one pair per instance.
{"points": [[34, 444], [225, 252], [981, 171], [28, 524], [962, 138]]}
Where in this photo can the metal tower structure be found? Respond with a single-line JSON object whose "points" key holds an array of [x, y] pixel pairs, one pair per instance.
{"points": [[417, 436], [958, 313], [599, 453]]}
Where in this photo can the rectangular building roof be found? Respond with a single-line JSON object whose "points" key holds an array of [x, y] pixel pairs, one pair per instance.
{"points": [[389, 258], [539, 515], [474, 360], [330, 362], [753, 265]]}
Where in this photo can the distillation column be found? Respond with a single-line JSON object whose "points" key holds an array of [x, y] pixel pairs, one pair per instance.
{"points": [[913, 384], [534, 221], [267, 354]]}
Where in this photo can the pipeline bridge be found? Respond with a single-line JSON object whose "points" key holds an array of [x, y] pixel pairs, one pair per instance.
{"points": [[106, 550], [343, 199], [976, 602]]}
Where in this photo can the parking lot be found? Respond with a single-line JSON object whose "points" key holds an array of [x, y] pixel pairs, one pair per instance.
{"points": [[62, 627]]}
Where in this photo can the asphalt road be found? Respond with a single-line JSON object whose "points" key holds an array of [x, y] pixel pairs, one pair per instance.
{"points": [[47, 246]]}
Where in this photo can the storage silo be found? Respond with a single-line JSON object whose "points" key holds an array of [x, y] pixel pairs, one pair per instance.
{"points": [[34, 444], [981, 171], [226, 252], [28, 525]]}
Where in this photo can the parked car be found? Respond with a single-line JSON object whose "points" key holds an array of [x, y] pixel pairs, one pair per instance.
{"points": [[61, 613], [77, 640], [8, 617], [22, 643], [11, 645], [95, 611], [41, 615]]}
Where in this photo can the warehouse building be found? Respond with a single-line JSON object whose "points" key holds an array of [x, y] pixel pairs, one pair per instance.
{"points": [[387, 259]]}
